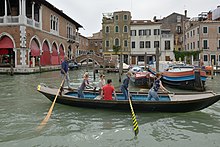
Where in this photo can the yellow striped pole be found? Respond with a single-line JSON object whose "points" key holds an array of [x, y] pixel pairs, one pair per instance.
{"points": [[135, 123]]}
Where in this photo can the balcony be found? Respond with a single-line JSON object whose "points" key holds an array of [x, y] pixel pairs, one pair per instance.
{"points": [[17, 20], [71, 38], [9, 20]]}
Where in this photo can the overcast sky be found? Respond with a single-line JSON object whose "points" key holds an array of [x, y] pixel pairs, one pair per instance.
{"points": [[88, 13]]}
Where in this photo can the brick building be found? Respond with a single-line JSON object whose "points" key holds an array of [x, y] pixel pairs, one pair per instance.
{"points": [[34, 32], [95, 43]]}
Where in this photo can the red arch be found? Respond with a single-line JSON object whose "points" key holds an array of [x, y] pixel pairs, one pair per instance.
{"points": [[45, 58], [35, 49], [54, 56], [61, 53], [5, 44]]}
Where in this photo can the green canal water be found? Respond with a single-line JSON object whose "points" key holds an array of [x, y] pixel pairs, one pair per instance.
{"points": [[22, 109]]}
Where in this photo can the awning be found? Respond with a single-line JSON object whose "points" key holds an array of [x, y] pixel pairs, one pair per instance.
{"points": [[35, 50], [6, 42]]}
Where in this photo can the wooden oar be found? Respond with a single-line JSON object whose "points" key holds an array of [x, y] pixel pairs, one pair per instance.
{"points": [[44, 122], [133, 116]]}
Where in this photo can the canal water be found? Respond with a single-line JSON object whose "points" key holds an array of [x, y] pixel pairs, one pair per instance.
{"points": [[22, 109]]}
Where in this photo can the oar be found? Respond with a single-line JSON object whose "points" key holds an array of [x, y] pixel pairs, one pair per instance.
{"points": [[44, 122], [135, 123]]}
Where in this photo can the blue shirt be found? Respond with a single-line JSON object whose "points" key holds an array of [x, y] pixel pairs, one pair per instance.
{"points": [[126, 82], [64, 66], [156, 85]]}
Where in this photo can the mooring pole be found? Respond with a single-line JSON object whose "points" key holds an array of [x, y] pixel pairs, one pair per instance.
{"points": [[93, 63], [120, 68], [157, 59]]}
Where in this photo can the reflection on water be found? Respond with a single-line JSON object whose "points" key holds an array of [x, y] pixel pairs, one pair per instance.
{"points": [[22, 108]]}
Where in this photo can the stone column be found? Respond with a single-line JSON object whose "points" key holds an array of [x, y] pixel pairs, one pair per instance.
{"points": [[6, 11], [33, 11], [24, 8], [40, 19], [33, 14], [20, 8], [5, 16]]}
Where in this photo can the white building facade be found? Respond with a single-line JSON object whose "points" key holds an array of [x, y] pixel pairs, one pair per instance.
{"points": [[146, 37]]}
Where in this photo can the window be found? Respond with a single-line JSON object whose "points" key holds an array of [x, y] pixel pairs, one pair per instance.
{"points": [[141, 58], [116, 29], [133, 32], [125, 43], [144, 32], [141, 44], [125, 17], [178, 29], [218, 44], [156, 44], [156, 31], [193, 32], [107, 29], [198, 44], [116, 17], [54, 23], [133, 44], [205, 30], [51, 22], [197, 30], [219, 30], [140, 32], [205, 58], [205, 44], [117, 43], [193, 45], [148, 32], [106, 43], [147, 44], [125, 29], [167, 45]]}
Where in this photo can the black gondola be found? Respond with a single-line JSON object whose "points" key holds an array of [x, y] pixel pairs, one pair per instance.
{"points": [[176, 102]]}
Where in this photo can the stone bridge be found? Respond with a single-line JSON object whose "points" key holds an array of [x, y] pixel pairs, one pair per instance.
{"points": [[99, 60]]}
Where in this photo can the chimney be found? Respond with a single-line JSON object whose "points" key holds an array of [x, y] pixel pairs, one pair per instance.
{"points": [[209, 17], [185, 12]]}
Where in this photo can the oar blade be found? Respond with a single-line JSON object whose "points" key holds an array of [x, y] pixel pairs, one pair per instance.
{"points": [[133, 116]]}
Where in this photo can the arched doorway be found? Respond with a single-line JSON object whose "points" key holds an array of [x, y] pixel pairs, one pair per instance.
{"points": [[34, 53], [62, 54], [7, 55], [54, 56], [45, 58]]}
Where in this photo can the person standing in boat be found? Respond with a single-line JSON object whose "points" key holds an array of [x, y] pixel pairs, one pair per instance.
{"points": [[153, 92], [83, 85], [101, 81], [108, 90], [125, 84], [64, 72]]}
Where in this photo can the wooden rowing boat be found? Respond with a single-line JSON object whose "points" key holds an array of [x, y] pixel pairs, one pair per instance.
{"points": [[176, 102]]}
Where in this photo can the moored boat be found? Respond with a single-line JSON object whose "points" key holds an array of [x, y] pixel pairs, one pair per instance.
{"points": [[142, 79], [183, 77], [176, 102]]}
